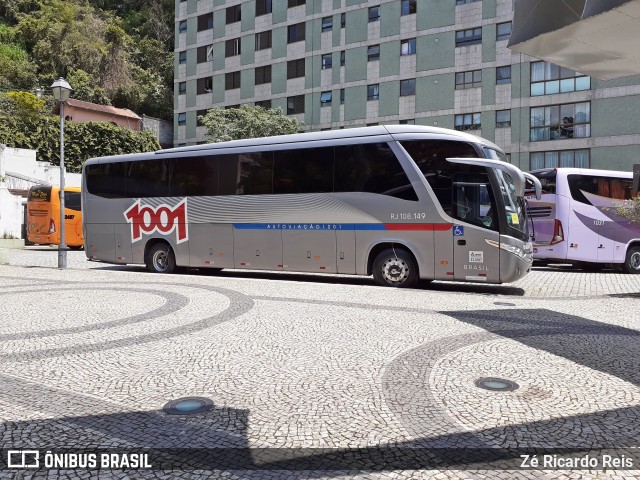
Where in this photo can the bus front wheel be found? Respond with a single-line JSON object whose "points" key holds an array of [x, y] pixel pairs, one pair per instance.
{"points": [[395, 268], [160, 259], [632, 262]]}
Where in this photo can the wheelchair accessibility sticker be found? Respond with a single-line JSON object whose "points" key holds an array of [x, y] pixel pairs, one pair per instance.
{"points": [[458, 231]]}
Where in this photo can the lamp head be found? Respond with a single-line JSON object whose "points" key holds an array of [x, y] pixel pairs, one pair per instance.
{"points": [[61, 90]]}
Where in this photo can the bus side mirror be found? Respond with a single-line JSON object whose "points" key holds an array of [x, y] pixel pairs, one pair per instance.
{"points": [[532, 182]]}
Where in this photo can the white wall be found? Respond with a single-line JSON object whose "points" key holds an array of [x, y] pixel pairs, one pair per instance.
{"points": [[10, 214], [21, 170]]}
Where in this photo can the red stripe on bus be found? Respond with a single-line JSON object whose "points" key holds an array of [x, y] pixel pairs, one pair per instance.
{"points": [[430, 227]]}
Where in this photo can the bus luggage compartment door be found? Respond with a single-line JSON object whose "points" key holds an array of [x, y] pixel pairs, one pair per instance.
{"points": [[310, 250], [256, 247], [100, 242]]}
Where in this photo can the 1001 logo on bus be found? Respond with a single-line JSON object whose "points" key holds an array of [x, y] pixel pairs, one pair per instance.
{"points": [[163, 219]]}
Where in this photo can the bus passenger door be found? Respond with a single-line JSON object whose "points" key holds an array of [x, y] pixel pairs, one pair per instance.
{"points": [[476, 222], [309, 248]]}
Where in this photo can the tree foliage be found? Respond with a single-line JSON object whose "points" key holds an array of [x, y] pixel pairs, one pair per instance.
{"points": [[111, 52], [23, 125], [248, 121]]}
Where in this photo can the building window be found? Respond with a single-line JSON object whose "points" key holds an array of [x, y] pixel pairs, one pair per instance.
{"points": [[263, 40], [409, 121], [205, 22], [263, 7], [295, 33], [548, 79], [373, 53], [562, 158], [327, 24], [182, 88], [343, 20], [229, 107], [200, 113], [407, 87], [327, 61], [342, 58], [470, 79], [295, 68], [232, 80], [374, 14], [408, 47], [561, 122], [342, 96], [182, 26], [295, 105], [182, 118], [232, 47], [463, 2], [205, 85], [467, 121], [373, 92], [295, 3], [472, 36], [503, 31], [182, 57], [266, 104], [205, 53], [263, 75], [234, 14], [407, 7], [325, 99], [503, 75], [503, 118]]}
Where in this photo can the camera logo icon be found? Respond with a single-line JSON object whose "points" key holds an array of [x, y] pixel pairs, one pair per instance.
{"points": [[23, 459]]}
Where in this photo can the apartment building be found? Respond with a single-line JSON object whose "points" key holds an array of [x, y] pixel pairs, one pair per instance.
{"points": [[349, 63]]}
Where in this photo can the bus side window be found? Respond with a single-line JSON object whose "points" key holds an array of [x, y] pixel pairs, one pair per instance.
{"points": [[308, 170], [196, 176], [373, 168], [431, 158], [106, 179]]}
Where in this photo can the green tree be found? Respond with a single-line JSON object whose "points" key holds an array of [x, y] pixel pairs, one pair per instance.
{"points": [[248, 121], [16, 69], [86, 89]]}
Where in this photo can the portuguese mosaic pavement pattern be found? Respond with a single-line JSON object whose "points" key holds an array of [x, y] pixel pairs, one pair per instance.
{"points": [[92, 354]]}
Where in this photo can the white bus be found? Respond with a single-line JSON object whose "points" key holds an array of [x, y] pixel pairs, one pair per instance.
{"points": [[576, 220], [400, 202]]}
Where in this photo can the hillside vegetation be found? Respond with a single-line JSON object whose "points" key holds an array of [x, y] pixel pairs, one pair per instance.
{"points": [[112, 52]]}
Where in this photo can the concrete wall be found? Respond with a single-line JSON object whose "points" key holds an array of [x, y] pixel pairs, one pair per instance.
{"points": [[10, 214]]}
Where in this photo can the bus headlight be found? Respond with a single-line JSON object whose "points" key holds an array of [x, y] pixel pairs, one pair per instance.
{"points": [[517, 251]]}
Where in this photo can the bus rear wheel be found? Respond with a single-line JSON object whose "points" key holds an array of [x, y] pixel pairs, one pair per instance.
{"points": [[395, 268], [632, 262], [160, 259]]}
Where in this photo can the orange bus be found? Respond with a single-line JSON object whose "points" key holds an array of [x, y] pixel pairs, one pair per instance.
{"points": [[43, 216]]}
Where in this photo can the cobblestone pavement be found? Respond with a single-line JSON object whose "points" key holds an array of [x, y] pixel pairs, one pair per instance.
{"points": [[304, 365]]}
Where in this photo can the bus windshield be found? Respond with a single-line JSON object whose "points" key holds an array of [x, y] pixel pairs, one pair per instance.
{"points": [[514, 206]]}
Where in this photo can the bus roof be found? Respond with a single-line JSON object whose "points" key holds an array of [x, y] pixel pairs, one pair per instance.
{"points": [[405, 131], [563, 171]]}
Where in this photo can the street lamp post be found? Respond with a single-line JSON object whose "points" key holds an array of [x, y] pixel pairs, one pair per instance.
{"points": [[61, 92]]}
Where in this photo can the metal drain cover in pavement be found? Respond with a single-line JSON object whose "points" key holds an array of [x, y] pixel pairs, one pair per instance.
{"points": [[188, 406], [496, 384], [505, 304]]}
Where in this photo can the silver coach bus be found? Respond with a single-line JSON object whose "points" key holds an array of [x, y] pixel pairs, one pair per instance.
{"points": [[400, 202]]}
